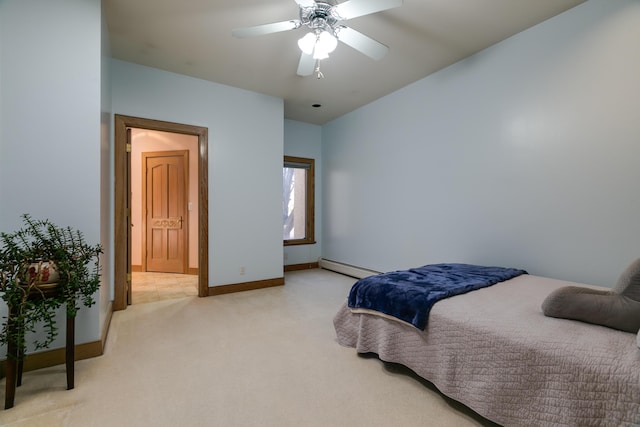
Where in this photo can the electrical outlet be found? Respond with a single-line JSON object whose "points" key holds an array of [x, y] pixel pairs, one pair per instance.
{"points": [[242, 270]]}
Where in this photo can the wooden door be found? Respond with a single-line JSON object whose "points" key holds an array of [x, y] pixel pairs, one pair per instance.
{"points": [[165, 180]]}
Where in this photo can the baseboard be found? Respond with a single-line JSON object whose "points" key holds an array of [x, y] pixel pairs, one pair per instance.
{"points": [[45, 359], [138, 269], [48, 358], [305, 266], [106, 326], [346, 269], [245, 286]]}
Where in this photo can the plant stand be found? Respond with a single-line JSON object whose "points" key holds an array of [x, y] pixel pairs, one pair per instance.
{"points": [[15, 358]]}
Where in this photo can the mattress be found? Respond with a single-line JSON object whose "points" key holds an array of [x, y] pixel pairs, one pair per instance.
{"points": [[493, 350]]}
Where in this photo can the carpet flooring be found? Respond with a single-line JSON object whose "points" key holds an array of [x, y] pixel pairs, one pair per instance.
{"points": [[259, 358]]}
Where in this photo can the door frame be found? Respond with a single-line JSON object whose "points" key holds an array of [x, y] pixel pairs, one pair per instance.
{"points": [[122, 202]]}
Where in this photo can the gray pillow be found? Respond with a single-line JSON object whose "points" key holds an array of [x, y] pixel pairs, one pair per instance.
{"points": [[629, 281], [618, 308]]}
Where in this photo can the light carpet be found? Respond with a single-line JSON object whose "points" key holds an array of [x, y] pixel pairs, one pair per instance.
{"points": [[259, 358]]}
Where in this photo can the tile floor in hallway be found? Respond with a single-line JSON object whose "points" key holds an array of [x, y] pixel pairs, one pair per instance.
{"points": [[149, 287]]}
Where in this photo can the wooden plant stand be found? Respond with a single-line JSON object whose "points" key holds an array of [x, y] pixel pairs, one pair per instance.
{"points": [[15, 355]]}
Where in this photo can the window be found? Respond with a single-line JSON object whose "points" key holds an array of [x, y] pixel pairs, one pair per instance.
{"points": [[298, 201]]}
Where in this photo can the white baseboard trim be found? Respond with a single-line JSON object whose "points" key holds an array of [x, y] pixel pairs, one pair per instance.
{"points": [[346, 269]]}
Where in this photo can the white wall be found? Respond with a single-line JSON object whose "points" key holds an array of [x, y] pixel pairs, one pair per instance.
{"points": [[245, 162], [305, 140], [524, 155], [50, 139]]}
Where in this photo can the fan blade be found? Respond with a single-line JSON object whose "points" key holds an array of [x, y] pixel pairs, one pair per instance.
{"points": [[306, 3], [306, 65], [260, 30], [360, 42], [354, 8]]}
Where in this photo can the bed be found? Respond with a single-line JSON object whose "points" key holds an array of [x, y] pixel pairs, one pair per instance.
{"points": [[493, 350]]}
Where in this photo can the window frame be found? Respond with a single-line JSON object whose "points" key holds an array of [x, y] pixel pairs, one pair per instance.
{"points": [[309, 167]]}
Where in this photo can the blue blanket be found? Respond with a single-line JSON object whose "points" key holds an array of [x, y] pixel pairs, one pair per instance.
{"points": [[409, 294]]}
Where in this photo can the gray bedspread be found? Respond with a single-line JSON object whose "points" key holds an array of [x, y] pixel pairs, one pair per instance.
{"points": [[493, 350]]}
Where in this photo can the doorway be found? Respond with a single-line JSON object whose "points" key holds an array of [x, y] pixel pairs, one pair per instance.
{"points": [[124, 206]]}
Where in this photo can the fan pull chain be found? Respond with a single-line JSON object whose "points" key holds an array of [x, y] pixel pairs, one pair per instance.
{"points": [[317, 70]]}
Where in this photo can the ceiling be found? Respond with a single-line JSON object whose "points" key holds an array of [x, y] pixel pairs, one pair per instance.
{"points": [[193, 37]]}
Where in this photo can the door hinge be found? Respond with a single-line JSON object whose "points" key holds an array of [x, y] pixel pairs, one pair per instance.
{"points": [[128, 148], [128, 277]]}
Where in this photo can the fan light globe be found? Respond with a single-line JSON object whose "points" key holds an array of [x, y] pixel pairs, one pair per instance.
{"points": [[307, 43], [327, 42], [320, 54]]}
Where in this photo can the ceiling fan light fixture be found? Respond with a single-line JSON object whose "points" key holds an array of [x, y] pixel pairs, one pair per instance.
{"points": [[323, 18], [318, 44]]}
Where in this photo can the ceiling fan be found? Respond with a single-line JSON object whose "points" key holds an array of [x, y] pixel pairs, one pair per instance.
{"points": [[324, 21]]}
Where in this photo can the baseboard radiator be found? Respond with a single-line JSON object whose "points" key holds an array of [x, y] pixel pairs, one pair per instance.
{"points": [[346, 269]]}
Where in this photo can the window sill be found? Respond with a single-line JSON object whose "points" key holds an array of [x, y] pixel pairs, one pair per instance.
{"points": [[299, 242]]}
